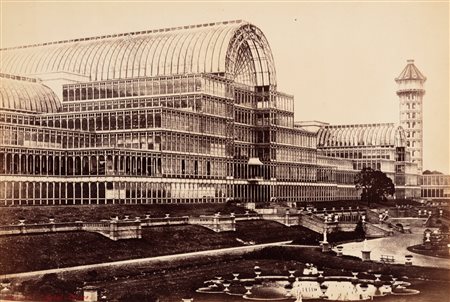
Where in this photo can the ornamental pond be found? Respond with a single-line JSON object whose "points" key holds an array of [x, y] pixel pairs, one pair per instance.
{"points": [[309, 284]]}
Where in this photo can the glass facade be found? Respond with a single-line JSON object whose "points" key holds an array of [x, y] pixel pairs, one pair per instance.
{"points": [[153, 130], [378, 146], [435, 186]]}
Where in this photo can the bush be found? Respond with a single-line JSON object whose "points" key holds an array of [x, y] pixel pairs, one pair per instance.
{"points": [[308, 238], [333, 237], [49, 287], [359, 230], [91, 275], [336, 237], [138, 297], [443, 228]]}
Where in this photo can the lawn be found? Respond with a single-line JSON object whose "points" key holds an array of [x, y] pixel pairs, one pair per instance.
{"points": [[44, 251], [173, 283], [434, 252]]}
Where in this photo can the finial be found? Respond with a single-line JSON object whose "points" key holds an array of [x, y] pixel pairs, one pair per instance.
{"points": [[410, 61]]}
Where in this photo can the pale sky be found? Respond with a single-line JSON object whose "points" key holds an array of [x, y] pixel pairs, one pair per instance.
{"points": [[339, 59]]}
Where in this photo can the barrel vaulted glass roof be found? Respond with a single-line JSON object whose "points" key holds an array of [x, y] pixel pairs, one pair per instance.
{"points": [[386, 135], [26, 94], [235, 49]]}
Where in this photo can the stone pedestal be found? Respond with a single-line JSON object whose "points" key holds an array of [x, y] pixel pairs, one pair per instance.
{"points": [[286, 218], [90, 294], [113, 229], [365, 255], [139, 231], [326, 247], [53, 225], [339, 249], [408, 259], [233, 222]]}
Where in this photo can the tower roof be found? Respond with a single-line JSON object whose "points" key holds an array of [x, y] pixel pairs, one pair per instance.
{"points": [[411, 72]]}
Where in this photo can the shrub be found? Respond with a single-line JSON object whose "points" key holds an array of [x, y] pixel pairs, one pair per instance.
{"points": [[138, 297], [49, 286], [308, 238], [359, 230], [91, 275], [339, 236]]}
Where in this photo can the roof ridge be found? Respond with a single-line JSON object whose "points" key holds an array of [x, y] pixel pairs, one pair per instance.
{"points": [[360, 125], [18, 77], [133, 33]]}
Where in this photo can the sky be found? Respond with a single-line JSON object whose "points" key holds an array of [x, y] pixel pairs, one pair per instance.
{"points": [[338, 59]]}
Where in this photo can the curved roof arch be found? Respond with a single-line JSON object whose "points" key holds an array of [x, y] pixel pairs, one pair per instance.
{"points": [[25, 94], [348, 138], [373, 135], [235, 49]]}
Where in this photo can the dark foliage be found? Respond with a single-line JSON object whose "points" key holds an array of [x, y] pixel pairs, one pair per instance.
{"points": [[428, 172], [443, 228], [374, 185], [49, 288], [336, 237], [359, 230], [91, 275], [333, 237], [308, 239], [138, 297]]}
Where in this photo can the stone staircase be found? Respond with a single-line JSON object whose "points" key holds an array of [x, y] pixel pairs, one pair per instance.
{"points": [[376, 230]]}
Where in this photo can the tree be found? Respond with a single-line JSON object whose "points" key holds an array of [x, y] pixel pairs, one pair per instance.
{"points": [[428, 172], [374, 185]]}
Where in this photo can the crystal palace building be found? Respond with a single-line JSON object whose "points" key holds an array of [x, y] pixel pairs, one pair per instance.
{"points": [[178, 115]]}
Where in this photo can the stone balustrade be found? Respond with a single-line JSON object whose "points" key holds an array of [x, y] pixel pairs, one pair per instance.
{"points": [[114, 230], [160, 221], [216, 223], [127, 228]]}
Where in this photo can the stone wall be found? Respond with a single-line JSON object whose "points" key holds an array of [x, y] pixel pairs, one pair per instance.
{"points": [[112, 229]]}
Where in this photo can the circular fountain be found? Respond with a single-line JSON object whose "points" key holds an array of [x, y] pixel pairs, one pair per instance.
{"points": [[308, 286]]}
